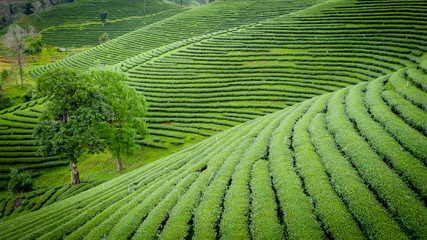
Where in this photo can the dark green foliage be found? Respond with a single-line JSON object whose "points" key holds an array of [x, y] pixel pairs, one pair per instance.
{"points": [[4, 75], [103, 38], [68, 126], [128, 108], [103, 14], [4, 101], [34, 44], [20, 181]]}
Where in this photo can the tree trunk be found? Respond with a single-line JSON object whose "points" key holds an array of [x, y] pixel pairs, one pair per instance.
{"points": [[20, 68], [75, 178], [119, 164], [103, 24], [181, 3], [145, 1], [201, 2]]}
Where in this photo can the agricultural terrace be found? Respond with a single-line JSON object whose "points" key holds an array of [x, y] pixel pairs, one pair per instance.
{"points": [[206, 84], [68, 25], [219, 80], [17, 145], [34, 200], [348, 163], [216, 16]]}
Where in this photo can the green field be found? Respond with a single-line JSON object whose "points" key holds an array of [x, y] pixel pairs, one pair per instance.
{"points": [[268, 119], [219, 15], [348, 163], [68, 25], [205, 84]]}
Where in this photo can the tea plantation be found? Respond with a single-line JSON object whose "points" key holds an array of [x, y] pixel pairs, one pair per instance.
{"points": [[219, 15], [348, 163], [310, 119], [214, 81], [69, 25]]}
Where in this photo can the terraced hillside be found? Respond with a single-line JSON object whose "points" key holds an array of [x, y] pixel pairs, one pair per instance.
{"points": [[203, 85], [69, 25], [348, 163], [20, 204], [216, 16], [19, 150], [17, 145], [220, 80]]}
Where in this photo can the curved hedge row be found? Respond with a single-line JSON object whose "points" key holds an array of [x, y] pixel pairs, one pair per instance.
{"points": [[330, 167], [216, 16], [281, 61]]}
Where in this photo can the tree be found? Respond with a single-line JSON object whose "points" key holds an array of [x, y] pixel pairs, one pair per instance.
{"points": [[15, 41], [103, 38], [20, 182], [34, 44], [70, 126], [25, 21], [128, 109], [145, 3], [4, 101], [47, 6], [5, 13], [37, 7], [79, 2], [4, 75], [103, 14]]}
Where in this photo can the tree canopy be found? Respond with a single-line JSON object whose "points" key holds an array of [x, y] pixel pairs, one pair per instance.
{"points": [[88, 112], [129, 107], [69, 126], [103, 14]]}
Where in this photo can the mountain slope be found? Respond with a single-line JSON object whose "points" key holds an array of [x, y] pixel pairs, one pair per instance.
{"points": [[348, 163], [216, 16], [69, 25], [222, 79], [203, 85]]}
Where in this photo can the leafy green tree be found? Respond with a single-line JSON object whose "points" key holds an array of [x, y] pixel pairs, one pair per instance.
{"points": [[4, 101], [129, 107], [20, 182], [103, 14], [25, 21], [34, 44], [4, 75], [103, 38], [69, 126]]}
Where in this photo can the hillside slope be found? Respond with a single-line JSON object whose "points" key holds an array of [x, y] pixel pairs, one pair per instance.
{"points": [[216, 16], [348, 163], [220, 80], [203, 85], [68, 25]]}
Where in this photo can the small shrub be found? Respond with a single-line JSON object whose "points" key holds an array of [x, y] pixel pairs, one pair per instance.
{"points": [[4, 101], [103, 38], [20, 182], [4, 75]]}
